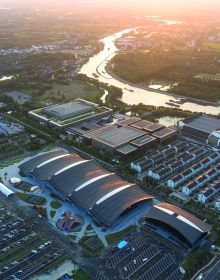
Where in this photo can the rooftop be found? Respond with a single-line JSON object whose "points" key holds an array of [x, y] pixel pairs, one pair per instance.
{"points": [[164, 132], [117, 136], [143, 140], [70, 113], [70, 109], [127, 149], [143, 124], [203, 122]]}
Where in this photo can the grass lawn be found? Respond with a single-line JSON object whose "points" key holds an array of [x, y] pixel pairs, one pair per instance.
{"points": [[81, 275], [115, 236], [196, 261], [213, 45], [55, 204], [76, 89], [32, 199], [53, 195], [89, 227], [84, 243], [52, 213], [23, 196]]}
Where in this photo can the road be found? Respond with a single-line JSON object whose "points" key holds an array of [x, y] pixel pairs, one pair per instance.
{"points": [[91, 264], [214, 272]]}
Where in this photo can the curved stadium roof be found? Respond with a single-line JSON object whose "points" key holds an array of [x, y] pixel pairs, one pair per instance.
{"points": [[84, 182], [188, 226]]}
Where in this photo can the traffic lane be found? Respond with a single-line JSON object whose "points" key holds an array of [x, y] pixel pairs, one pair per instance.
{"points": [[214, 273]]}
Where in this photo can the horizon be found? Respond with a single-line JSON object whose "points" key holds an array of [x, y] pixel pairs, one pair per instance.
{"points": [[138, 5]]}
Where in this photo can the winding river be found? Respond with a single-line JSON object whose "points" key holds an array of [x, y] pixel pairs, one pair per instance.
{"points": [[133, 94]]}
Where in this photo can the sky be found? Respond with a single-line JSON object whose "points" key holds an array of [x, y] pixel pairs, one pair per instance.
{"points": [[120, 4]]}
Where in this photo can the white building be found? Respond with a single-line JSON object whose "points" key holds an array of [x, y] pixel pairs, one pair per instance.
{"points": [[5, 190], [204, 196]]}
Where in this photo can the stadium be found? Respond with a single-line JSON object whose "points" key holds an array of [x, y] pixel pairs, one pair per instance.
{"points": [[106, 197], [184, 226], [84, 183]]}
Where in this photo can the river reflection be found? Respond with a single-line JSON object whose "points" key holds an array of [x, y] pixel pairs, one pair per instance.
{"points": [[135, 95]]}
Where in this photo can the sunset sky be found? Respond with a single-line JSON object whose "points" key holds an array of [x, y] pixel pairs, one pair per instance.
{"points": [[133, 5]]}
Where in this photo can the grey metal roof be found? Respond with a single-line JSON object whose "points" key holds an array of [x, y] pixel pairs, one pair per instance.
{"points": [[187, 225], [88, 196], [114, 207], [75, 176], [88, 185], [117, 136], [31, 164], [126, 149], [46, 171], [203, 123], [73, 108]]}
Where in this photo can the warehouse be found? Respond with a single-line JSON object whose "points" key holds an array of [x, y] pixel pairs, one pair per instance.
{"points": [[97, 191], [201, 128], [188, 228], [111, 138]]}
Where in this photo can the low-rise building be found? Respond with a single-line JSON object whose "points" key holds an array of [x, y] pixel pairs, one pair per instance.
{"points": [[175, 181], [209, 193]]}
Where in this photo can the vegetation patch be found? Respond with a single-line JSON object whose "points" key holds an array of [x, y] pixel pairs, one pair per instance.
{"points": [[80, 274], [92, 244], [196, 261], [116, 236], [176, 69], [32, 199], [52, 213], [55, 204]]}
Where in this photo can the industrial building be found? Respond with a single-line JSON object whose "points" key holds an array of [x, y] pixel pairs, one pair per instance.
{"points": [[128, 136], [61, 116], [97, 191], [188, 228], [111, 138], [201, 128]]}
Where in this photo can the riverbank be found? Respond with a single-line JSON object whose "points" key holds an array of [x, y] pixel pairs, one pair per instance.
{"points": [[184, 99], [139, 94]]}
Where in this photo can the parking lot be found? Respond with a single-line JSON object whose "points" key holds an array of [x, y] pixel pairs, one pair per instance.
{"points": [[23, 252], [144, 258]]}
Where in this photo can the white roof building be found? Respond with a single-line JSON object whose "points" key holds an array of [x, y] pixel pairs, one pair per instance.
{"points": [[5, 190]]}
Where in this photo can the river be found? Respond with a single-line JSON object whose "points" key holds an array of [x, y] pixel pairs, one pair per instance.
{"points": [[133, 94]]}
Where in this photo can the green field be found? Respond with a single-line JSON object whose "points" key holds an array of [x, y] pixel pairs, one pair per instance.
{"points": [[75, 89], [179, 66]]}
